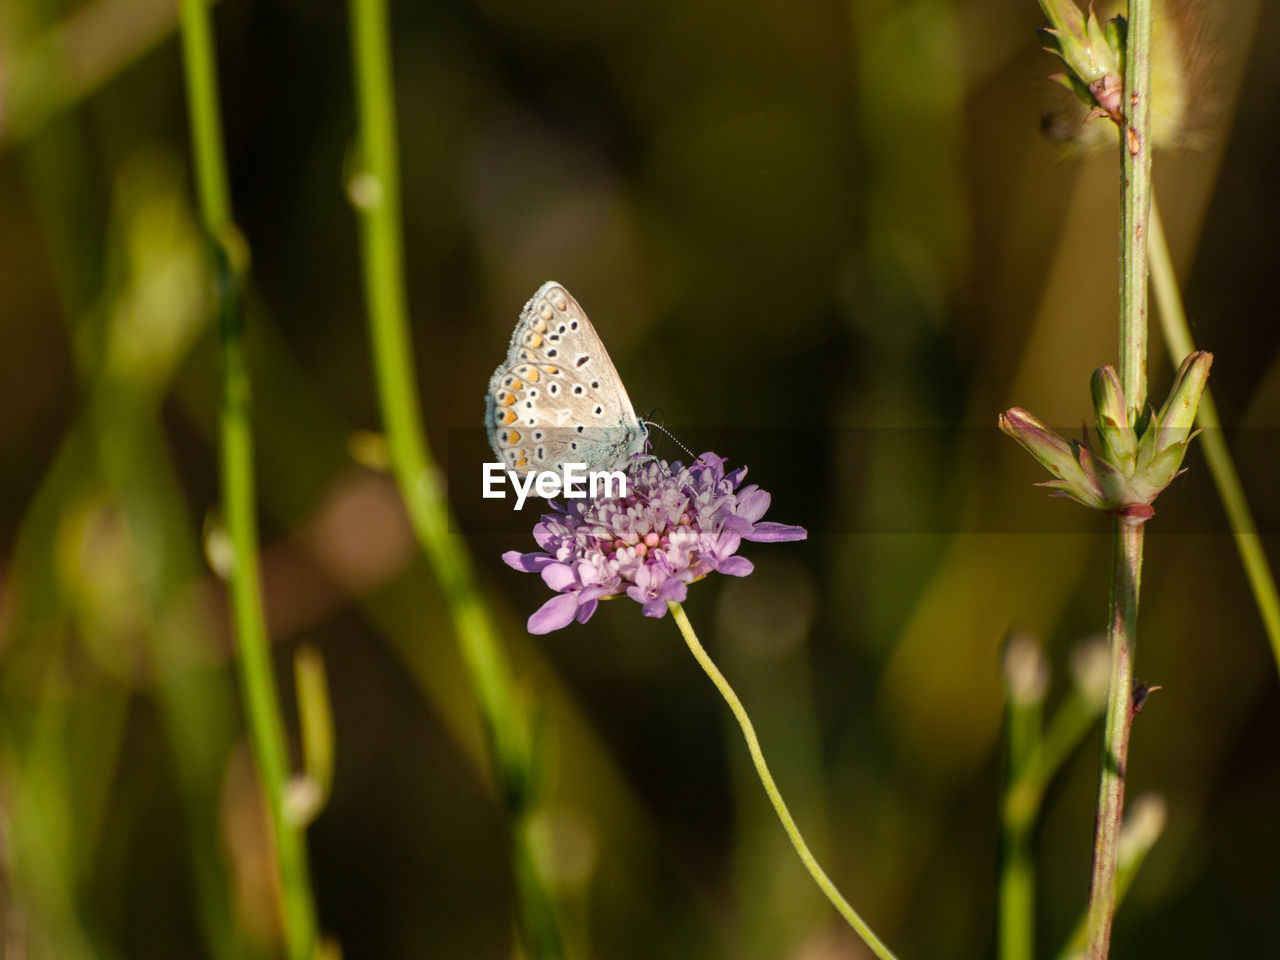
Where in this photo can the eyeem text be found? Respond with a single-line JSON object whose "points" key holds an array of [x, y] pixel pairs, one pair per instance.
{"points": [[573, 481]]}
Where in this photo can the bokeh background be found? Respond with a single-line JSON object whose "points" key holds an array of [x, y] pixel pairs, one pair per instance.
{"points": [[830, 241]]}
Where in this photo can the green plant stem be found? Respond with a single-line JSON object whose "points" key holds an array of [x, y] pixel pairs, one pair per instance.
{"points": [[766, 778], [1135, 172], [1177, 335], [1126, 574], [1141, 831], [266, 725], [1126, 579], [375, 192], [1017, 868]]}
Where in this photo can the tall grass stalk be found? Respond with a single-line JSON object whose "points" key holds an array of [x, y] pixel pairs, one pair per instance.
{"points": [[375, 192], [1177, 335], [1126, 572], [1026, 675], [266, 725]]}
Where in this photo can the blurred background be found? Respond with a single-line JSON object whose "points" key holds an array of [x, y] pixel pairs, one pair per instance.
{"points": [[828, 241]]}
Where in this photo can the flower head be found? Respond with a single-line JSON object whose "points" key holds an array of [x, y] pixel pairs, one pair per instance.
{"points": [[1131, 458], [675, 525]]}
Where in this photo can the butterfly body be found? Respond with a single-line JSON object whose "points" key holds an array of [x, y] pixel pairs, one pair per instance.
{"points": [[557, 397]]}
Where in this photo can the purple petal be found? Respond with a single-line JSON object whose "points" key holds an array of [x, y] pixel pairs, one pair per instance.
{"points": [[525, 562], [735, 566], [674, 590], [752, 503], [655, 608], [644, 580], [558, 576], [726, 545], [736, 523], [768, 532], [557, 612], [596, 592], [712, 464], [586, 610]]}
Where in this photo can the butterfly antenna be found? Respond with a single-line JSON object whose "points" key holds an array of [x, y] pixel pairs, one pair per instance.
{"points": [[672, 436]]}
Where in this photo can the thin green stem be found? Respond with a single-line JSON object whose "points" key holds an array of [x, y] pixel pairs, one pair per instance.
{"points": [[766, 778], [1177, 334], [1126, 574], [375, 192], [201, 72], [1126, 579], [1017, 869], [1135, 172], [1141, 831], [266, 725]]}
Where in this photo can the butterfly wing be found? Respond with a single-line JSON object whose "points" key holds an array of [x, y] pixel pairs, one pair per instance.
{"points": [[557, 398]]}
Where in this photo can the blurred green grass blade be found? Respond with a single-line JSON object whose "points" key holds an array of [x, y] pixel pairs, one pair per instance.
{"points": [[58, 780], [375, 191], [53, 72], [266, 723], [115, 456], [315, 719], [1177, 334], [1026, 676]]}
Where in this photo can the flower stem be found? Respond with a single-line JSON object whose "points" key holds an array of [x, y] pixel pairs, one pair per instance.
{"points": [[375, 192], [1126, 576], [1135, 172], [1126, 573], [1177, 335], [1142, 829], [266, 724], [766, 778]]}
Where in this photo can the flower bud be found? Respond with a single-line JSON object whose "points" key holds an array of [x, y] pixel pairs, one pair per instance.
{"points": [[1174, 421], [1117, 440], [1026, 671], [1131, 460], [1092, 52], [1164, 442], [1069, 462]]}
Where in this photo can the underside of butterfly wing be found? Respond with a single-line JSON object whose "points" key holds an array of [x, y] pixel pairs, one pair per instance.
{"points": [[557, 397]]}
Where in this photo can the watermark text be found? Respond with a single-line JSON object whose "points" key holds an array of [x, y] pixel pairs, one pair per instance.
{"points": [[573, 480]]}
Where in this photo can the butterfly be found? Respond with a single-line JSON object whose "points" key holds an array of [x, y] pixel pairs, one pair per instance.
{"points": [[557, 398]]}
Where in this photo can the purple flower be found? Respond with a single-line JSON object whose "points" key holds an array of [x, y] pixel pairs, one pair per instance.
{"points": [[675, 525]]}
